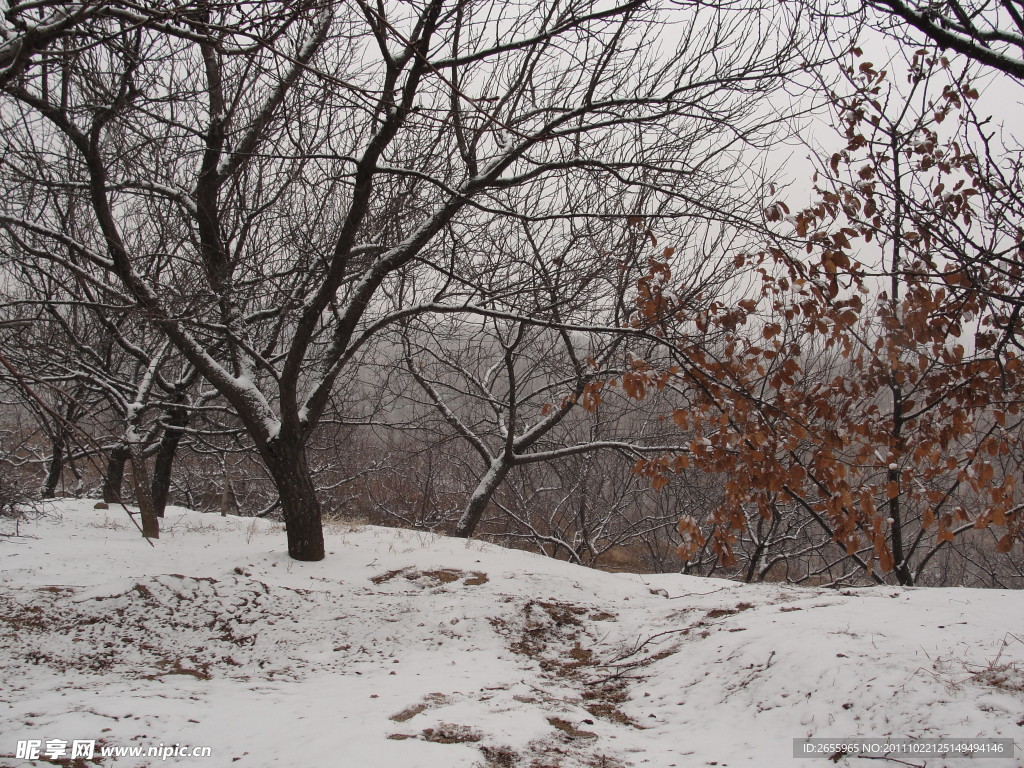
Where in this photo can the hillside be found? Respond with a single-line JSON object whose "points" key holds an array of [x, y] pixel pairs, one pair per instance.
{"points": [[409, 650]]}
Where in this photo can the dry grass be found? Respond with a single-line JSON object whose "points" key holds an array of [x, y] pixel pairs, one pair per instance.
{"points": [[997, 673]]}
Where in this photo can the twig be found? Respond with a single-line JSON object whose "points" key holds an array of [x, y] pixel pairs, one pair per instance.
{"points": [[887, 759]]}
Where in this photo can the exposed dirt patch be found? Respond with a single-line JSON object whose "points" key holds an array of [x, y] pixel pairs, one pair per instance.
{"points": [[409, 713], [24, 617], [177, 667], [430, 700], [581, 657], [560, 638], [605, 701], [570, 730], [384, 577], [451, 733], [441, 576], [434, 578], [499, 757], [164, 625], [563, 613], [718, 613]]}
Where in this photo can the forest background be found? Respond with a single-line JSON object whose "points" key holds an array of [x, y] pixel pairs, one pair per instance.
{"points": [[534, 273]]}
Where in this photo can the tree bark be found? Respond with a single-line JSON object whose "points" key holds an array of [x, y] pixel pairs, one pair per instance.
{"points": [[115, 473], [286, 460], [164, 462], [481, 498], [143, 497], [56, 465]]}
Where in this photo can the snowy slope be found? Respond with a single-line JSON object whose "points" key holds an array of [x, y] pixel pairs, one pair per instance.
{"points": [[407, 650]]}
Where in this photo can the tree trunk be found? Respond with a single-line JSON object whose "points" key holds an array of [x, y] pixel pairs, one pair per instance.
{"points": [[176, 418], [115, 473], [481, 498], [56, 466], [143, 497], [900, 568], [286, 461]]}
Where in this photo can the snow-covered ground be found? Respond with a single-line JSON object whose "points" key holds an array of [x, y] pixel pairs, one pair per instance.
{"points": [[408, 650]]}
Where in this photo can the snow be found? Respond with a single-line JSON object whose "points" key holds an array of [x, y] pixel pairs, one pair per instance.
{"points": [[248, 389], [408, 650]]}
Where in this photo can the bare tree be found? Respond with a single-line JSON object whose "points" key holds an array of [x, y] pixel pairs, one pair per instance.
{"points": [[989, 31], [258, 180], [512, 395]]}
